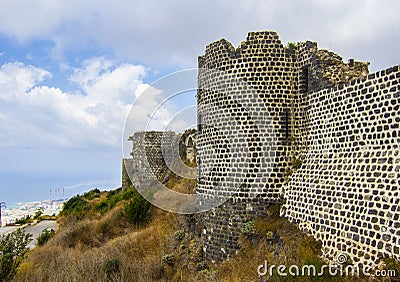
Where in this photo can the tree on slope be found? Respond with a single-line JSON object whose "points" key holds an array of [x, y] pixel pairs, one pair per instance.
{"points": [[13, 249]]}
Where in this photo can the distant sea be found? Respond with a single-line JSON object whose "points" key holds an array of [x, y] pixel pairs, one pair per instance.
{"points": [[17, 188]]}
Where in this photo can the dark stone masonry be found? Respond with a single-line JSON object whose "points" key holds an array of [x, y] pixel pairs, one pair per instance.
{"points": [[297, 125], [346, 193], [154, 154]]}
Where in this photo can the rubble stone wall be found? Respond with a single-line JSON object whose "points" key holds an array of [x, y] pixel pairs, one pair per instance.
{"points": [[335, 141], [346, 193]]}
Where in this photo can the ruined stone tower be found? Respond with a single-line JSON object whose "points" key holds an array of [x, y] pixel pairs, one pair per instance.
{"points": [[265, 110], [297, 126]]}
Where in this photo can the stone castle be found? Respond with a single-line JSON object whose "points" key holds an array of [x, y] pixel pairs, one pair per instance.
{"points": [[298, 126]]}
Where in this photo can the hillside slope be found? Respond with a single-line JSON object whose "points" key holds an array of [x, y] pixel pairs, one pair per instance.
{"points": [[117, 236]]}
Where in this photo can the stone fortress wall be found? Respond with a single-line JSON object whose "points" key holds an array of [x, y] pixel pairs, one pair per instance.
{"points": [[346, 192], [330, 118], [299, 126], [147, 162], [151, 150]]}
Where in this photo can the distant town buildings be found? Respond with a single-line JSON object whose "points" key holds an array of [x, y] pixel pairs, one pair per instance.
{"points": [[10, 215]]}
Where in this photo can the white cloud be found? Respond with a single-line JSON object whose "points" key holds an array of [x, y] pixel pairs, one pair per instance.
{"points": [[36, 115], [16, 78], [148, 111], [158, 33], [175, 32]]}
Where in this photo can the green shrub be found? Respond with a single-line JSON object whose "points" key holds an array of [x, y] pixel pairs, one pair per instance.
{"points": [[179, 234], [92, 194], [201, 265], [102, 207], [38, 214], [128, 193], [206, 274], [113, 197], [24, 220], [270, 235], [136, 210], [113, 193], [168, 259], [292, 45], [75, 206], [45, 236], [13, 248], [105, 226], [248, 228]]}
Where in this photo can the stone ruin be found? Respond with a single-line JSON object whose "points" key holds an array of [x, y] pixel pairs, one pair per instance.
{"points": [[298, 126]]}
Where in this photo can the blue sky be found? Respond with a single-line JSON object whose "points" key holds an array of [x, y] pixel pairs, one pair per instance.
{"points": [[70, 71]]}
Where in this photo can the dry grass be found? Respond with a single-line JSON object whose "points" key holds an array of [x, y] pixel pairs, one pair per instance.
{"points": [[108, 248], [182, 185], [138, 253], [289, 247]]}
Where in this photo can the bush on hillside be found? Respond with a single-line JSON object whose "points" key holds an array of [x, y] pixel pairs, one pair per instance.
{"points": [[92, 194], [179, 234], [24, 220], [75, 206], [248, 228], [168, 259], [137, 209], [102, 207], [45, 236], [13, 248], [113, 197], [38, 214]]}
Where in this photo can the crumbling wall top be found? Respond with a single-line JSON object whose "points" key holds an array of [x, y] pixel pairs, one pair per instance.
{"points": [[255, 40]]}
